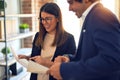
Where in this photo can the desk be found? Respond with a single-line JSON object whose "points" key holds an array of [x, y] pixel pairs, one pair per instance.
{"points": [[9, 63], [12, 64]]}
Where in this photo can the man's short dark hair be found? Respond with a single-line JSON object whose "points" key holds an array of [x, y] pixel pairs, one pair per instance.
{"points": [[79, 0], [89, 0]]}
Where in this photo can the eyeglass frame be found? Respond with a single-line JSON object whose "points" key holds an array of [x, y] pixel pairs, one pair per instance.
{"points": [[46, 19]]}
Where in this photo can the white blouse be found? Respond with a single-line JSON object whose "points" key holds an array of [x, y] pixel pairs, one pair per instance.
{"points": [[47, 52]]}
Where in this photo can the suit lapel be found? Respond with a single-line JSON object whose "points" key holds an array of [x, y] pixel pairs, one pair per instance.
{"points": [[79, 49]]}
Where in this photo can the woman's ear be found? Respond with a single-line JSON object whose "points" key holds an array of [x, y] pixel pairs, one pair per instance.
{"points": [[57, 19]]}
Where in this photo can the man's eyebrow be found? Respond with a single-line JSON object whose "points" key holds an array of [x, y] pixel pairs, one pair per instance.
{"points": [[69, 1]]}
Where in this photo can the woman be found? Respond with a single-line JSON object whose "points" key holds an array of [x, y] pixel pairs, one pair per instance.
{"points": [[51, 40]]}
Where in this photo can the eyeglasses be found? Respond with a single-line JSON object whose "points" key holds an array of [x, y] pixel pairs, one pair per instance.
{"points": [[47, 19]]}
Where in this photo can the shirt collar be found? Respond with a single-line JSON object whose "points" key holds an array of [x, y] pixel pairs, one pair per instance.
{"points": [[88, 10]]}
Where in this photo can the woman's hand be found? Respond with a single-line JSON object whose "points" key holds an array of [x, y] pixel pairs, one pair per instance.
{"points": [[42, 61], [38, 59], [23, 57]]}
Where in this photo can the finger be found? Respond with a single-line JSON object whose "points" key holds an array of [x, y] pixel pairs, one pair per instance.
{"points": [[32, 58], [65, 59], [48, 72], [58, 59], [20, 56]]}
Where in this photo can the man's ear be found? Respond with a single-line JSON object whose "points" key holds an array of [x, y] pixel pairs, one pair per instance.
{"points": [[87, 1]]}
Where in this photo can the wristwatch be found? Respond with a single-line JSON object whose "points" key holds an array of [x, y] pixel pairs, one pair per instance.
{"points": [[66, 55]]}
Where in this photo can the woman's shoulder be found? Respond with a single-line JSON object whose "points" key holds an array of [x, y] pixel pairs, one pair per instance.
{"points": [[69, 34], [36, 35]]}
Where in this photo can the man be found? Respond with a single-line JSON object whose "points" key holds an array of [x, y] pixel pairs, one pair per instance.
{"points": [[98, 53]]}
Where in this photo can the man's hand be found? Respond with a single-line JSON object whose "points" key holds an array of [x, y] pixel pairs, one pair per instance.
{"points": [[61, 59], [55, 70]]}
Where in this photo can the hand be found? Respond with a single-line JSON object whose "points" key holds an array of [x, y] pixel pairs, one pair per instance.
{"points": [[61, 59], [23, 57], [42, 61], [38, 59], [55, 71]]}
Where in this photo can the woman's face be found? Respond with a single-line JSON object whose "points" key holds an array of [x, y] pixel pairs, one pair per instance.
{"points": [[49, 22]]}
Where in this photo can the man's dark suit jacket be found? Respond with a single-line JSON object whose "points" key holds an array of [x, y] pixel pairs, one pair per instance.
{"points": [[98, 53], [68, 47]]}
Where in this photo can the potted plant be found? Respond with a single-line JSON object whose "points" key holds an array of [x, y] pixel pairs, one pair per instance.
{"points": [[2, 6], [24, 28], [5, 51]]}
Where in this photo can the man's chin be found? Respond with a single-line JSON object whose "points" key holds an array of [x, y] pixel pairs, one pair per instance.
{"points": [[78, 15]]}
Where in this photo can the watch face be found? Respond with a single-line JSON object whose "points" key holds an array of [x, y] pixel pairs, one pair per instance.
{"points": [[66, 55]]}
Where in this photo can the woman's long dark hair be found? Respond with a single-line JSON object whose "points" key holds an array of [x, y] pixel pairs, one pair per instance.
{"points": [[60, 36]]}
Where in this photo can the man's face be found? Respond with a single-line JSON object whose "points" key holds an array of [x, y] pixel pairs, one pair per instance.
{"points": [[77, 7]]}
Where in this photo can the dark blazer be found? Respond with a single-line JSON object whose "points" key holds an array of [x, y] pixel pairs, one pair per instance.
{"points": [[68, 47], [98, 53]]}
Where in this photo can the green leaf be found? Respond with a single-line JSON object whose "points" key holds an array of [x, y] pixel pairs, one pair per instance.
{"points": [[23, 26], [2, 5], [5, 50]]}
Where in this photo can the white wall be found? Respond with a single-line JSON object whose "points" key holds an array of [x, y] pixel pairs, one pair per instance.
{"points": [[70, 21], [110, 4]]}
